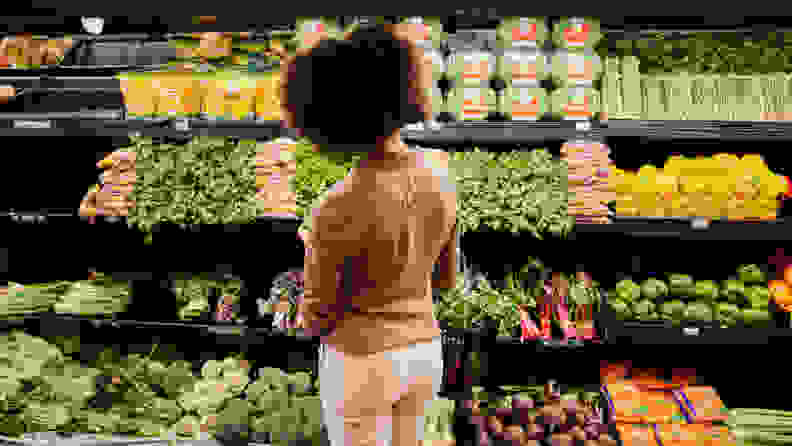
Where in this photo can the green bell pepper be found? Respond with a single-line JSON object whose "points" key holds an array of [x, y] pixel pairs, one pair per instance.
{"points": [[754, 318], [751, 274], [727, 314], [680, 285], [620, 308], [642, 309], [653, 289], [628, 290], [733, 291], [758, 297], [698, 311], [706, 290]]}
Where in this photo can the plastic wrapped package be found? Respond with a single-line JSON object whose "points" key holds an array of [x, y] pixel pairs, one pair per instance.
{"points": [[471, 104], [523, 32], [427, 32], [524, 103], [571, 68], [472, 66], [703, 404], [575, 103], [522, 67], [576, 32]]}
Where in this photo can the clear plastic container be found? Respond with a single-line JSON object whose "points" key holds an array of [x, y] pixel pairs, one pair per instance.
{"points": [[576, 32], [471, 103], [525, 32], [571, 68], [437, 59], [522, 67], [472, 66], [523, 103], [575, 103]]}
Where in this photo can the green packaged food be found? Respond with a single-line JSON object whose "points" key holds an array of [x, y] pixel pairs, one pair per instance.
{"points": [[576, 32], [575, 103], [522, 32], [571, 68]]}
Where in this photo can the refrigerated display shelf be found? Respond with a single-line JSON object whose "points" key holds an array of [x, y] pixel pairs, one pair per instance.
{"points": [[693, 229], [724, 130]]}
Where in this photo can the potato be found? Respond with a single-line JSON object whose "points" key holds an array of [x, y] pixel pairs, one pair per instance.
{"points": [[561, 440], [577, 433], [494, 424]]}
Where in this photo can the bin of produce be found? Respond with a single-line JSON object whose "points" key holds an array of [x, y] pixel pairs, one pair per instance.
{"points": [[522, 32]]}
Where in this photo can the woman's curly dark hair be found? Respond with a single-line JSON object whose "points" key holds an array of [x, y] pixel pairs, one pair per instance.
{"points": [[347, 94]]}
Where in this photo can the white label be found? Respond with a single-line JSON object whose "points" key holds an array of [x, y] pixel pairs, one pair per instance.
{"points": [[700, 223], [583, 126], [32, 124], [182, 125], [690, 331]]}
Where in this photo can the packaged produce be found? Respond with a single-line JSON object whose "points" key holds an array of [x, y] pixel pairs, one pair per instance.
{"points": [[470, 103], [140, 96], [522, 32], [523, 67], [693, 434], [312, 29], [637, 434], [472, 66], [576, 32], [570, 68], [523, 104], [575, 103], [703, 404], [438, 61], [631, 403], [179, 93]]}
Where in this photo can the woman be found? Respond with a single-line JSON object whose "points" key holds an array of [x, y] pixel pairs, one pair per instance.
{"points": [[375, 236]]}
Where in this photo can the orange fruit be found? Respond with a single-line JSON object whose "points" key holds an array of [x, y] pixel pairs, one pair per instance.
{"points": [[788, 275]]}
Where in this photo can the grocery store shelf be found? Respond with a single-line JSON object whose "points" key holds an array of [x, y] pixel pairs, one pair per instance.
{"points": [[694, 335], [509, 132], [723, 130], [695, 229]]}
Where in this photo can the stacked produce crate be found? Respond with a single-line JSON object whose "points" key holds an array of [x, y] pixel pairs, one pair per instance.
{"points": [[647, 409]]}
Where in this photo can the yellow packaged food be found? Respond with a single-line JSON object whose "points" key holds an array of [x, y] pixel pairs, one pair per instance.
{"points": [[178, 93], [139, 95]]}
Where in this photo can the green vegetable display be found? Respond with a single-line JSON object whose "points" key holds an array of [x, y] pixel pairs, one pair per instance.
{"points": [[621, 308], [680, 285], [733, 291], [628, 290], [206, 181], [727, 314], [751, 274], [758, 297], [653, 289], [755, 318], [672, 311], [706, 290], [642, 309], [698, 311]]}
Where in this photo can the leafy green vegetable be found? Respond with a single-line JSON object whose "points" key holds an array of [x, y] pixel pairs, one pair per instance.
{"points": [[621, 308], [751, 274], [653, 289], [698, 311], [628, 290], [733, 291], [758, 296]]}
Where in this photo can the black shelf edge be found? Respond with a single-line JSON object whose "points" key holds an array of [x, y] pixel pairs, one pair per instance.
{"points": [[777, 230]]}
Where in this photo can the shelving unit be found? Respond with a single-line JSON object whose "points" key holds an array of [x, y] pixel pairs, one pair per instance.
{"points": [[192, 249]]}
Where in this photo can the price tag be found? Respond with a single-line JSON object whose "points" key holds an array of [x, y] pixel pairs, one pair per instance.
{"points": [[32, 124], [700, 223], [182, 125], [690, 331], [583, 126], [237, 331]]}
